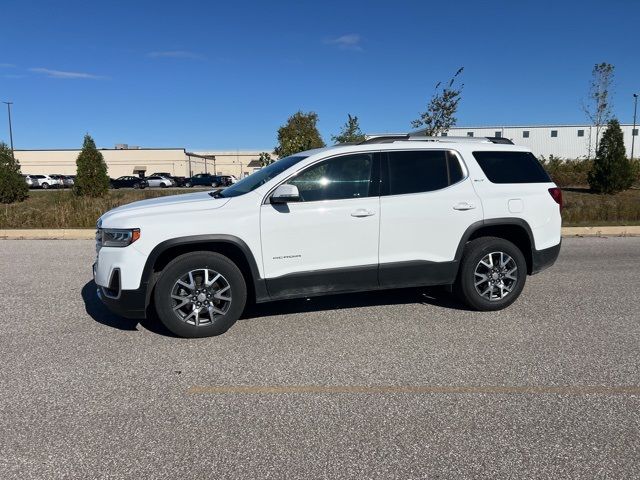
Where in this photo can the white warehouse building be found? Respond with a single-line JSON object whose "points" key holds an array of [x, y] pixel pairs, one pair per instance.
{"points": [[562, 141]]}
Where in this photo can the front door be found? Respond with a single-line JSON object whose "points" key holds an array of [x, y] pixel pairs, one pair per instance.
{"points": [[327, 241]]}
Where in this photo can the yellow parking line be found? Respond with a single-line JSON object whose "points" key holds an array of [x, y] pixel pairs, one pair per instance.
{"points": [[425, 389]]}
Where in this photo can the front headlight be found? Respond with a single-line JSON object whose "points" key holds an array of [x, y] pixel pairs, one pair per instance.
{"points": [[119, 237]]}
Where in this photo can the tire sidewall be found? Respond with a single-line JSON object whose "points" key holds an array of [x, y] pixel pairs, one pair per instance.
{"points": [[474, 252], [181, 266]]}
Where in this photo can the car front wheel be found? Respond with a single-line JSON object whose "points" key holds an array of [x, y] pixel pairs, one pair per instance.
{"points": [[492, 274], [200, 294]]}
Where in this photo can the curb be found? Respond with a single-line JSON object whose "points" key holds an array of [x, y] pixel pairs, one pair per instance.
{"points": [[605, 231], [89, 233], [48, 234]]}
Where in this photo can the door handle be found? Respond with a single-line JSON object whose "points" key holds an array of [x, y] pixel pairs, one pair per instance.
{"points": [[464, 206], [362, 212]]}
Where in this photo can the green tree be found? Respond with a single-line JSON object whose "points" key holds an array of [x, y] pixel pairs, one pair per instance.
{"points": [[298, 134], [612, 171], [350, 132], [13, 188], [265, 159], [91, 177], [440, 115], [598, 108]]}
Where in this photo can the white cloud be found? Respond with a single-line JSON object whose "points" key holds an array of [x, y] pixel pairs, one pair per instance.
{"points": [[176, 54], [350, 41], [62, 74]]}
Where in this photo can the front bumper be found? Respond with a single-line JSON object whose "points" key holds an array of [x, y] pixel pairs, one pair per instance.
{"points": [[542, 259], [125, 303]]}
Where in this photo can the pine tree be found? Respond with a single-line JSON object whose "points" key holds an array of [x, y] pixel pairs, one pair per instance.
{"points": [[91, 177], [350, 132], [298, 134], [612, 171], [265, 159], [13, 187]]}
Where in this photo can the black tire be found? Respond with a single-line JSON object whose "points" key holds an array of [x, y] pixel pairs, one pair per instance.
{"points": [[474, 252], [45, 185], [136, 186], [214, 185], [163, 185], [182, 265], [188, 185]]}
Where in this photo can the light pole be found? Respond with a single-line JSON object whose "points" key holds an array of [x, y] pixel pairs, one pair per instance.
{"points": [[635, 108], [8, 104]]}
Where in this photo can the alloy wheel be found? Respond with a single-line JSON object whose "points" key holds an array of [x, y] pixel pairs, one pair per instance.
{"points": [[495, 276], [200, 296]]}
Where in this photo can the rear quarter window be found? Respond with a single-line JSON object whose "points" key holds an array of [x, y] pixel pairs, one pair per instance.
{"points": [[511, 167]]}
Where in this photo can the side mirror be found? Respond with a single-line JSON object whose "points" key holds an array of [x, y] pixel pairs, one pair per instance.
{"points": [[285, 193]]}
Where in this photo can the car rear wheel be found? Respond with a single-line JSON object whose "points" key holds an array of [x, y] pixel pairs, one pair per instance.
{"points": [[200, 294], [45, 185], [188, 185], [136, 185], [492, 274]]}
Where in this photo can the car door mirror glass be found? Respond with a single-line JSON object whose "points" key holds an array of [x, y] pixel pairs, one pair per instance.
{"points": [[285, 193]]}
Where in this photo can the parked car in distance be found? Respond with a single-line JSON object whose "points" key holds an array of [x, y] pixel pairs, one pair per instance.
{"points": [[45, 181], [31, 182], [158, 181], [208, 180], [69, 180], [128, 181], [178, 181], [477, 215], [62, 180], [228, 180]]}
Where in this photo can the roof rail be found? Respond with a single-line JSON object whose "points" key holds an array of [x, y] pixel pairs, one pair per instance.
{"points": [[400, 137], [384, 138]]}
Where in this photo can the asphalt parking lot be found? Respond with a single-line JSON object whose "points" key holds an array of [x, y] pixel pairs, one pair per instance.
{"points": [[398, 384]]}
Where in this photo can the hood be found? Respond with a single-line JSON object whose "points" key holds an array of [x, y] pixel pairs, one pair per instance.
{"points": [[131, 214]]}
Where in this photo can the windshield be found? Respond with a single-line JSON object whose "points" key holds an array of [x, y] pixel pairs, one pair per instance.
{"points": [[262, 176]]}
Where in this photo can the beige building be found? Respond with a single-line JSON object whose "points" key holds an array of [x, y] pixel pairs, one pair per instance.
{"points": [[128, 160]]}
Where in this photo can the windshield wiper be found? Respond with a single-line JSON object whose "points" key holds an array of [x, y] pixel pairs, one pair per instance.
{"points": [[216, 194]]}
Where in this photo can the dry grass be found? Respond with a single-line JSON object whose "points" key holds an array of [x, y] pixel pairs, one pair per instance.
{"points": [[583, 208], [60, 209]]}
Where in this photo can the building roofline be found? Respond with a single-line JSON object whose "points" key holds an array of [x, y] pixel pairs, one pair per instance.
{"points": [[99, 149], [532, 126]]}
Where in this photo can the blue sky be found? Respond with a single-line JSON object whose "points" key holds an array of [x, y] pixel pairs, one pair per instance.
{"points": [[226, 75]]}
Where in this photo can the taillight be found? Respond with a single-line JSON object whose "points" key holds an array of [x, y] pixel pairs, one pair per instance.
{"points": [[556, 193]]}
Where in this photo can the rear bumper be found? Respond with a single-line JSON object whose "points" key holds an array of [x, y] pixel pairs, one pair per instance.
{"points": [[542, 259]]}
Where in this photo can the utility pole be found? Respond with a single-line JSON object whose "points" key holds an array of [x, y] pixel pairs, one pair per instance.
{"points": [[635, 108], [8, 104]]}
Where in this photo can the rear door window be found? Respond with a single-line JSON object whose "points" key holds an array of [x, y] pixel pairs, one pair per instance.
{"points": [[419, 171], [511, 167]]}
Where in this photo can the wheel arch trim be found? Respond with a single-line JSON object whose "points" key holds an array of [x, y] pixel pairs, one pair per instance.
{"points": [[494, 222], [148, 279]]}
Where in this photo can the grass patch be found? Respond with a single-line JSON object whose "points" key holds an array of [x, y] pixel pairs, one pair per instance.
{"points": [[583, 208], [61, 209]]}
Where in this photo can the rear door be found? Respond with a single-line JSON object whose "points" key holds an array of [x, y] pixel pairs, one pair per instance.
{"points": [[328, 241], [426, 204], [515, 185]]}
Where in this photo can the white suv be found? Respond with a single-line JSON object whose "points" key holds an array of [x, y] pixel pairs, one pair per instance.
{"points": [[395, 211]]}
